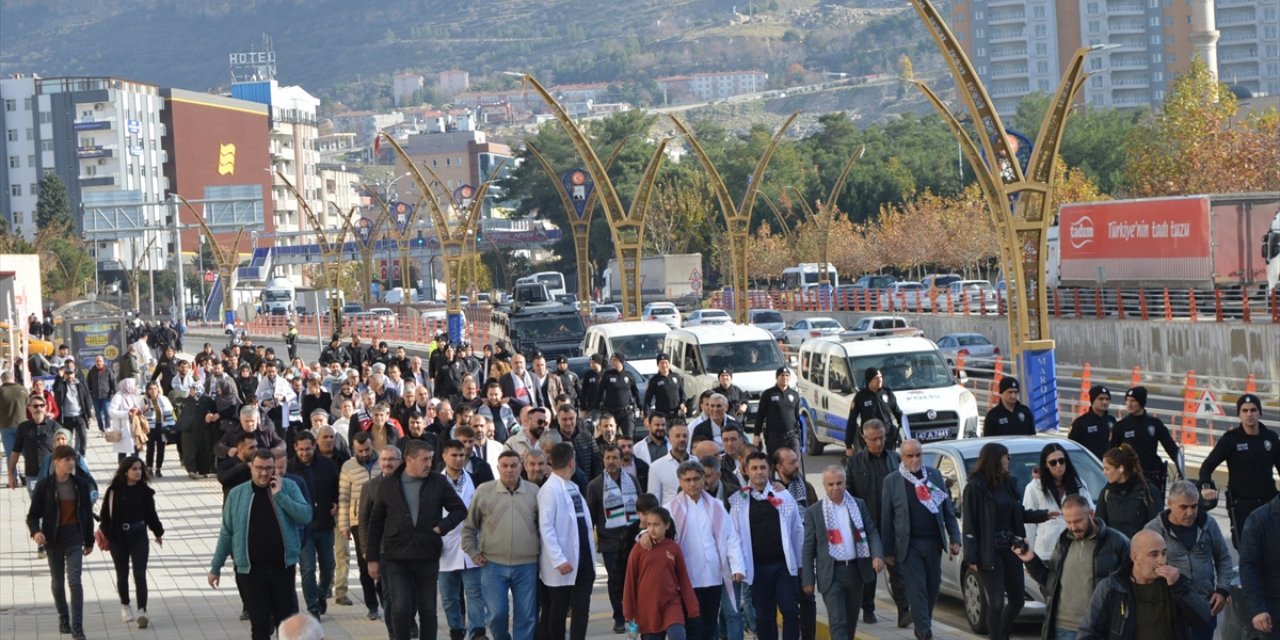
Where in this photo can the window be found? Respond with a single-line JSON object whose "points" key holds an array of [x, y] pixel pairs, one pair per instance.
{"points": [[46, 117], [1157, 76], [31, 133], [10, 105], [1040, 31], [1038, 12], [31, 160], [1092, 9], [1157, 58], [35, 189], [950, 477], [1155, 39], [46, 145], [1154, 21], [1093, 26], [18, 218], [26, 104], [13, 162], [982, 52], [1044, 85], [15, 189], [1095, 64], [1159, 93], [1042, 49], [1042, 67]]}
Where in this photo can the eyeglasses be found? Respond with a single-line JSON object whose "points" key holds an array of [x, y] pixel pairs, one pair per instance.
{"points": [[35, 406], [541, 423], [1056, 462]]}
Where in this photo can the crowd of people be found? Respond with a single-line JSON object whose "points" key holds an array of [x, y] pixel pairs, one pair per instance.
{"points": [[486, 483]]}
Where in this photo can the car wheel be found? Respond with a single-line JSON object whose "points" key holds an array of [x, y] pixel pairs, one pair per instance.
{"points": [[812, 443], [975, 601]]}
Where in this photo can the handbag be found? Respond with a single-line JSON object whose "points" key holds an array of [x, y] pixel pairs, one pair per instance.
{"points": [[99, 536], [112, 437], [140, 429]]}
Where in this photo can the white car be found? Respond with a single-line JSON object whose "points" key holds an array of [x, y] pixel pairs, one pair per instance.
{"points": [[664, 312], [365, 321], [769, 320], [904, 296], [706, 317], [974, 296], [605, 313], [806, 328], [388, 316]]}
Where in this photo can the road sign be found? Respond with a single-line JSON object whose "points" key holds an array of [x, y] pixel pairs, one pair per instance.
{"points": [[695, 279], [1209, 405]]}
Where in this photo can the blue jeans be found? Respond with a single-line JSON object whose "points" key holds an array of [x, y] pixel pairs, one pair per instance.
{"points": [[316, 545], [521, 581], [7, 437], [673, 632], [100, 411], [775, 591], [452, 584], [731, 617], [1063, 634]]}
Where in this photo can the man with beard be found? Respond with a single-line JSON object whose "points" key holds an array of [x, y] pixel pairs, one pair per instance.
{"points": [[655, 445], [611, 496], [590, 382], [493, 408], [533, 423], [631, 464]]}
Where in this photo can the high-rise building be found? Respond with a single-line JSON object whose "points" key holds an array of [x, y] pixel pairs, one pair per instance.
{"points": [[103, 136], [1021, 47], [457, 153]]}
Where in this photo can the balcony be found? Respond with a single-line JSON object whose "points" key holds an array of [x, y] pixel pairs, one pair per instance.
{"points": [[1237, 18], [1126, 26], [1131, 82], [1005, 72], [1244, 55], [998, 17], [998, 54], [95, 151], [1129, 63], [1125, 9], [96, 124], [1010, 91], [1001, 35]]}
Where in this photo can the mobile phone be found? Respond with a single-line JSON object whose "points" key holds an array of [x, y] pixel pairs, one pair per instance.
{"points": [[1019, 544]]}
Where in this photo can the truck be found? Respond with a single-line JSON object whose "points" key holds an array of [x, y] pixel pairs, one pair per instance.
{"points": [[668, 278], [279, 297], [308, 301], [1185, 242]]}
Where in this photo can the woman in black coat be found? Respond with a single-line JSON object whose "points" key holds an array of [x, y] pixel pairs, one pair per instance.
{"points": [[994, 523], [128, 511], [1128, 502]]}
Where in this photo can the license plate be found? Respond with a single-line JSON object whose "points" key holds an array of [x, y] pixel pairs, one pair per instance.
{"points": [[933, 434]]}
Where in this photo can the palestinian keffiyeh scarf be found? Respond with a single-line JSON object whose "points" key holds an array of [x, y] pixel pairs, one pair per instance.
{"points": [[928, 495]]}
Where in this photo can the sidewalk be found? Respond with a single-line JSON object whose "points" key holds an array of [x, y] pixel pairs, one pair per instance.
{"points": [[181, 603]]}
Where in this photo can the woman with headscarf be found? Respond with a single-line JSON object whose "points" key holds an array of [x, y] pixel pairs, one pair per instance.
{"points": [[125, 404], [876, 401]]}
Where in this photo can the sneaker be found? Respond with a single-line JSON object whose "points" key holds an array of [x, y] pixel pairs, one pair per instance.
{"points": [[244, 614], [618, 627], [126, 614], [478, 634], [373, 615], [343, 600], [904, 618], [77, 633], [191, 475], [143, 619], [41, 553]]}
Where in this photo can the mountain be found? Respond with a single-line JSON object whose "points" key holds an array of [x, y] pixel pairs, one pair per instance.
{"points": [[344, 50]]}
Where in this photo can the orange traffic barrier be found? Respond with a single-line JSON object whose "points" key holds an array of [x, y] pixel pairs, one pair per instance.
{"points": [[1191, 308], [959, 363], [1136, 378], [1142, 302], [1086, 381], [1217, 304], [1098, 311], [1190, 403], [1168, 308], [996, 376], [1251, 384]]}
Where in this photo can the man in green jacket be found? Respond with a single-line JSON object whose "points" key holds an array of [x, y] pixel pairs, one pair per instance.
{"points": [[260, 522]]}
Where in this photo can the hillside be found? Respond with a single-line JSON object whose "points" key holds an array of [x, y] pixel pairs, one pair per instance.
{"points": [[346, 50]]}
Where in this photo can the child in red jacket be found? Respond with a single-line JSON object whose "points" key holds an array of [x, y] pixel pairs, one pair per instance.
{"points": [[660, 574]]}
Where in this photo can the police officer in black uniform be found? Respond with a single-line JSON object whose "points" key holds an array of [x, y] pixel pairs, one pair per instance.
{"points": [[874, 401], [737, 399], [1251, 451], [616, 393], [568, 379], [665, 392], [1009, 417], [590, 380], [1092, 429], [1143, 432], [778, 419]]}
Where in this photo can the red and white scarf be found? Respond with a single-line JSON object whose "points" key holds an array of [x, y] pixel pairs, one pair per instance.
{"points": [[928, 495], [830, 512]]}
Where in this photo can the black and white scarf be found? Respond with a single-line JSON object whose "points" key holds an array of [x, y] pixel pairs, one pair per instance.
{"points": [[619, 502]]}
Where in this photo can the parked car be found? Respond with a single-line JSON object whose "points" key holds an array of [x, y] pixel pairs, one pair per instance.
{"points": [[979, 353], [874, 281], [389, 318], [955, 459], [904, 296], [881, 326], [364, 321], [438, 318], [975, 296], [769, 320], [664, 312], [703, 317], [605, 313], [806, 328], [351, 307]]}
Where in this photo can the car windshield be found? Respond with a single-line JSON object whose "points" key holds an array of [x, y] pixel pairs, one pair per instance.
{"points": [[277, 295], [824, 324], [767, 317], [554, 329], [942, 281], [606, 308], [1022, 464], [973, 341], [661, 311], [714, 315], [643, 346], [907, 371], [977, 287], [758, 355]]}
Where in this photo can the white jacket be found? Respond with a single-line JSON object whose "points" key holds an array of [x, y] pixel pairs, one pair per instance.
{"points": [[1043, 537], [118, 409], [790, 521], [558, 525]]}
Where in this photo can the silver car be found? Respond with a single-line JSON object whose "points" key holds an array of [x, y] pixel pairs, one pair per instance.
{"points": [[955, 459], [769, 320], [979, 353]]}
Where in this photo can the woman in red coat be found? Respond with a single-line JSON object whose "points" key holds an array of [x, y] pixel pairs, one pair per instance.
{"points": [[660, 574]]}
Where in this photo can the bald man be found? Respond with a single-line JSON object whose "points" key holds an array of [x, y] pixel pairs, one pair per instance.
{"points": [[1145, 595]]}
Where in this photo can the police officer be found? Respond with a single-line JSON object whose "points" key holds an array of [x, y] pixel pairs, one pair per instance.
{"points": [[589, 381], [737, 399], [1092, 429], [1251, 451], [874, 401], [665, 393], [291, 340], [616, 393], [1009, 417], [778, 419], [1143, 432], [568, 380]]}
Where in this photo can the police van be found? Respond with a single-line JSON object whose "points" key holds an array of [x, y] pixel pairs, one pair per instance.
{"points": [[639, 341], [698, 354], [831, 370]]}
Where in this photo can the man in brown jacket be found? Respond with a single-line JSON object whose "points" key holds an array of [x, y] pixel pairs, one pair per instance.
{"points": [[495, 536]]}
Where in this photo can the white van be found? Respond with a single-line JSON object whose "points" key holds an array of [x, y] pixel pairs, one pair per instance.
{"points": [[699, 353], [640, 341], [831, 370]]}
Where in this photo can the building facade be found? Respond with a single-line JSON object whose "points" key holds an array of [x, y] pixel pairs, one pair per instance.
{"points": [[459, 155], [708, 87]]}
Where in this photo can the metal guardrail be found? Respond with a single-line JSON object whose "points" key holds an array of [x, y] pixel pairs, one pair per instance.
{"points": [[1246, 304]]}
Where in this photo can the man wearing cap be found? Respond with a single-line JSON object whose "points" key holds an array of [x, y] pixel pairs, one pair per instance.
{"points": [[590, 380], [72, 395], [665, 392], [737, 399], [874, 401], [1143, 432], [616, 393], [1009, 417], [778, 419], [1093, 428], [1251, 451], [568, 381]]}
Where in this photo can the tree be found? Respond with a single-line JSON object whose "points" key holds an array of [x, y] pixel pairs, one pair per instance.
{"points": [[67, 268], [1197, 144], [52, 207], [1089, 141], [679, 218]]}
